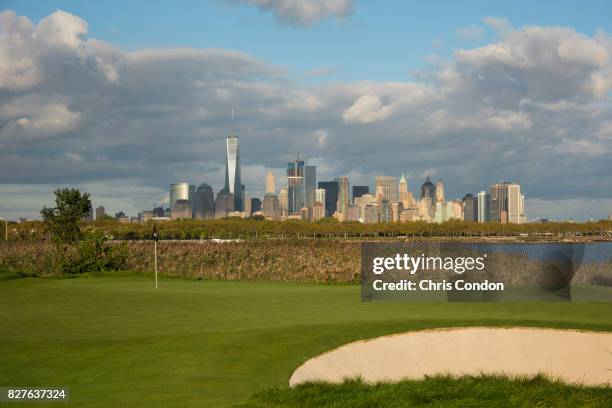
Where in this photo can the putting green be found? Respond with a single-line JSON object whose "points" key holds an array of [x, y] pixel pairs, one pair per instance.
{"points": [[118, 341]]}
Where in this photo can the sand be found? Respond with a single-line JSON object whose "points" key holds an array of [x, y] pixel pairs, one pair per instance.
{"points": [[579, 357]]}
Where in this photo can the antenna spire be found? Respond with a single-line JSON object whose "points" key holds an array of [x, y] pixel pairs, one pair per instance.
{"points": [[233, 127]]}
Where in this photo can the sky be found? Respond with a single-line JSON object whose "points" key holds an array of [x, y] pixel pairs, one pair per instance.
{"points": [[120, 100]]}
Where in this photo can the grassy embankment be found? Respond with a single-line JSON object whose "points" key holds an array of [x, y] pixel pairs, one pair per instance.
{"points": [[116, 341]]}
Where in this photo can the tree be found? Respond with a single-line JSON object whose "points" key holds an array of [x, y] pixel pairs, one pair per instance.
{"points": [[63, 220]]}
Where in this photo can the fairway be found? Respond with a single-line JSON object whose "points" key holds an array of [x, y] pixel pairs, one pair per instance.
{"points": [[116, 341]]}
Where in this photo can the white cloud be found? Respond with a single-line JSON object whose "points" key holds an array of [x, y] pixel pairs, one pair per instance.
{"points": [[304, 12]]}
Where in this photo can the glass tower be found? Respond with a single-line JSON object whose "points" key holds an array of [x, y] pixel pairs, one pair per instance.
{"points": [[233, 181]]}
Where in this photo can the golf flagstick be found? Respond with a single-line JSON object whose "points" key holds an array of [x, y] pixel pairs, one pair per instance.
{"points": [[155, 237]]}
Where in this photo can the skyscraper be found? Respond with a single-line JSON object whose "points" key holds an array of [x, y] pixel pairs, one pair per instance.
{"points": [[310, 185], [428, 190], [283, 198], [270, 207], [389, 187], [233, 180], [331, 196], [204, 202], [270, 185], [295, 185], [224, 204], [470, 208], [179, 191], [403, 189], [483, 206], [343, 195], [320, 198], [439, 191], [100, 212], [508, 201]]}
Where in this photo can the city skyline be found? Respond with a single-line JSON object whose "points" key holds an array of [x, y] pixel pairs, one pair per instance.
{"points": [[123, 111]]}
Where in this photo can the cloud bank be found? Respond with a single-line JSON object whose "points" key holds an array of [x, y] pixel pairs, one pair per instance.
{"points": [[533, 107]]}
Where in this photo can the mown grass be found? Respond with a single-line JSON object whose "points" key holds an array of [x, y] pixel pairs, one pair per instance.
{"points": [[439, 391], [116, 341]]}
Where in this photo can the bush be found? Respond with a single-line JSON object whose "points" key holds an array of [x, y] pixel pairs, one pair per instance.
{"points": [[94, 254]]}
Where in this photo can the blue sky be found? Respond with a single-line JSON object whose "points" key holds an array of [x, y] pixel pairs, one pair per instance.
{"points": [[380, 41], [122, 98]]}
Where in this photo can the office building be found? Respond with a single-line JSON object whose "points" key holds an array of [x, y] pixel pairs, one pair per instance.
{"points": [[352, 213], [270, 184], [343, 195], [100, 212], [204, 202], [358, 191], [362, 202], [283, 198], [181, 191], [295, 185], [389, 187], [320, 198], [224, 204], [509, 202], [439, 191], [233, 180], [255, 205], [385, 211], [159, 212], [331, 196], [318, 211], [396, 210], [483, 206], [271, 207], [310, 185], [181, 210], [470, 208], [371, 214], [403, 189], [428, 191]]}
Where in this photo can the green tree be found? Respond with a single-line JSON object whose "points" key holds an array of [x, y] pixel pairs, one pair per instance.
{"points": [[63, 220]]}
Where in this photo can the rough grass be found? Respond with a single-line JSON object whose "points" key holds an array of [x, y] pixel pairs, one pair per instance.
{"points": [[439, 391]]}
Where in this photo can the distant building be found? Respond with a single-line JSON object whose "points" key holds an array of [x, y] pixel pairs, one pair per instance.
{"points": [[508, 202], [146, 216], [320, 198], [181, 210], [305, 213], [483, 206], [271, 207], [310, 185], [255, 205], [385, 211], [283, 197], [358, 191], [180, 191], [204, 202], [389, 187], [439, 191], [396, 210], [233, 180], [318, 211], [270, 184], [343, 195], [224, 204], [295, 185], [428, 190], [331, 196], [100, 213], [159, 212], [405, 196], [352, 213], [371, 214], [362, 202], [119, 214], [470, 208]]}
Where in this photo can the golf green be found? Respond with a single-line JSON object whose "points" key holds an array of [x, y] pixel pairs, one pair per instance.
{"points": [[116, 341]]}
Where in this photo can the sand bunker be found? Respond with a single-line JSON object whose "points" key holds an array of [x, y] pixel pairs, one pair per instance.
{"points": [[572, 356]]}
